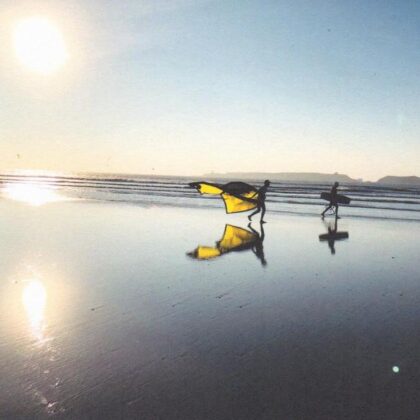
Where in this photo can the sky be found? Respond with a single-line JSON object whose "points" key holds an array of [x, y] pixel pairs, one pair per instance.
{"points": [[188, 87]]}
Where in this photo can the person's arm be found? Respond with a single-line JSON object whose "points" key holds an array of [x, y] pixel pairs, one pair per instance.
{"points": [[256, 192], [249, 199]]}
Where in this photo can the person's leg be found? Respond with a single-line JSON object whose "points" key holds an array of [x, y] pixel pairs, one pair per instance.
{"points": [[255, 212], [326, 209], [262, 212]]}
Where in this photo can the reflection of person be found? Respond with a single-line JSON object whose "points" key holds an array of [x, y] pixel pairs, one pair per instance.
{"points": [[257, 246], [331, 240], [333, 235], [234, 239], [261, 201], [333, 200]]}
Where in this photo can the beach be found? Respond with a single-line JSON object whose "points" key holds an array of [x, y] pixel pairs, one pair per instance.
{"points": [[138, 140], [105, 315]]}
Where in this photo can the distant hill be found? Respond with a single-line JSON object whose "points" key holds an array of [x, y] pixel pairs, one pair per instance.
{"points": [[310, 177], [400, 180]]}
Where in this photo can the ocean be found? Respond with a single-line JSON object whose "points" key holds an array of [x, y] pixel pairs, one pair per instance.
{"points": [[368, 200]]}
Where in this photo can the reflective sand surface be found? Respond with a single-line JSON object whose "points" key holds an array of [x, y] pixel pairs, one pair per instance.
{"points": [[104, 315]]}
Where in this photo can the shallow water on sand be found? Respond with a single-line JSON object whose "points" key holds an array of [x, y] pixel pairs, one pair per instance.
{"points": [[368, 200], [104, 315]]}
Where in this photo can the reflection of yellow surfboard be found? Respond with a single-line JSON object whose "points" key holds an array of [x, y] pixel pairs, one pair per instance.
{"points": [[234, 238], [237, 196], [206, 252]]}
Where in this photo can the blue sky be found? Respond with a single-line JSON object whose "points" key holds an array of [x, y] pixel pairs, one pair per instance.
{"points": [[187, 87]]}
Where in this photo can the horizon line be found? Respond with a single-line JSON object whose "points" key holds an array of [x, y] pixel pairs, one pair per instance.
{"points": [[50, 172]]}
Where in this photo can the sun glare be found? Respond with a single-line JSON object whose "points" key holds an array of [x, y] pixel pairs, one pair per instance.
{"points": [[32, 194], [39, 45]]}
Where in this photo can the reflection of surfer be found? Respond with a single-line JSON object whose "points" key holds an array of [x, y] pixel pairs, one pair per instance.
{"points": [[257, 246], [261, 201], [333, 235], [331, 239], [333, 200]]}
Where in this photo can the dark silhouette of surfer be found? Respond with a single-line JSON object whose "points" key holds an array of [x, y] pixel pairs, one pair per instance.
{"points": [[262, 192], [258, 247], [333, 201]]}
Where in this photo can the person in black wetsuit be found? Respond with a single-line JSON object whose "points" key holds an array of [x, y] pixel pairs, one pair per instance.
{"points": [[261, 201], [333, 200]]}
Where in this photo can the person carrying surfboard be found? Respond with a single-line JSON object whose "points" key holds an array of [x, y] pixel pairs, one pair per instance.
{"points": [[333, 200], [261, 196]]}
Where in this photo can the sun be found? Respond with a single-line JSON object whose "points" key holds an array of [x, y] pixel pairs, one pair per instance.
{"points": [[39, 45]]}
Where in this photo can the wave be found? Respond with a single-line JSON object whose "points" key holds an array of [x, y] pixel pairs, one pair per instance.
{"points": [[367, 200]]}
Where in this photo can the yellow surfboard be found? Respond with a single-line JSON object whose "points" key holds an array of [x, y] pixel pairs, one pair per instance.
{"points": [[237, 196]]}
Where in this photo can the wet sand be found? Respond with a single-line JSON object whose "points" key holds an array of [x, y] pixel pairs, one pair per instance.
{"points": [[105, 316]]}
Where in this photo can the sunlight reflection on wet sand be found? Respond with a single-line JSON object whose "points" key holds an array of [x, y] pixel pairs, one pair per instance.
{"points": [[31, 193], [41, 356], [34, 299]]}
